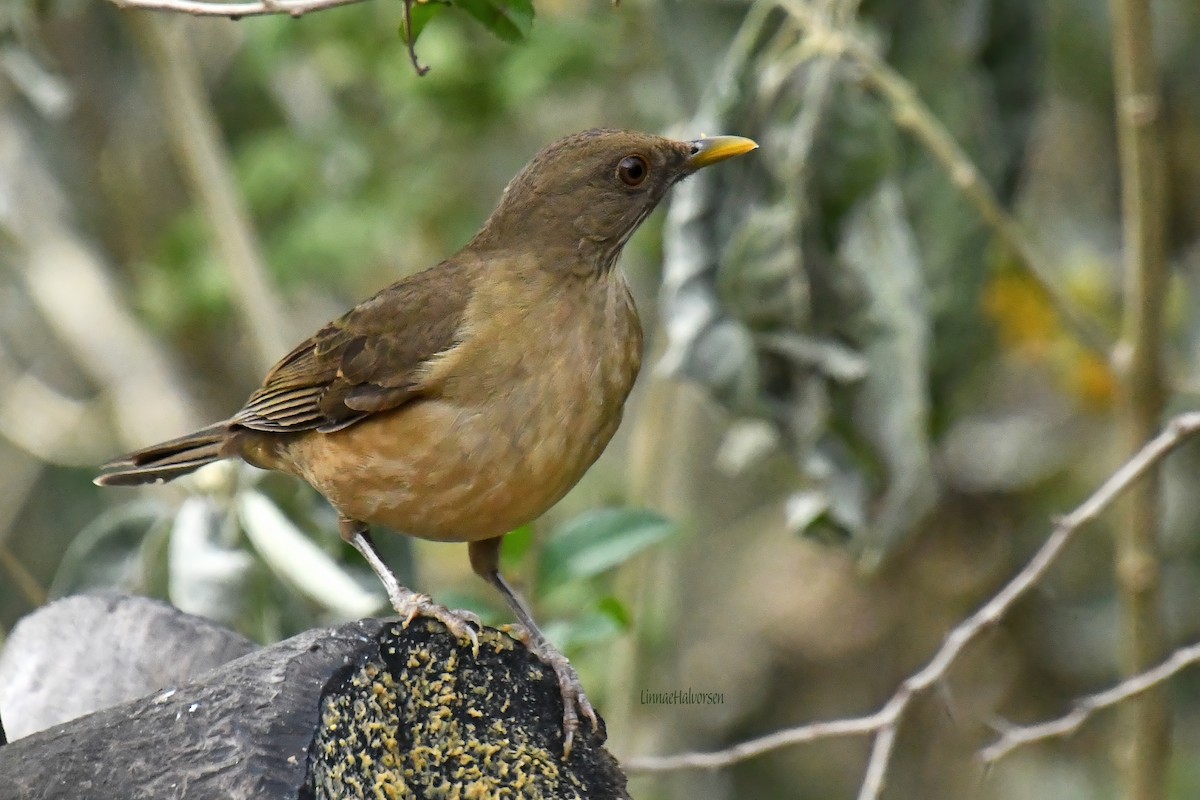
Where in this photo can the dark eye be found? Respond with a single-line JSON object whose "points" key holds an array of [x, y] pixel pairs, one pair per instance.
{"points": [[633, 170]]}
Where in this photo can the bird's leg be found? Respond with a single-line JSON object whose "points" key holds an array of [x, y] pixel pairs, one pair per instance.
{"points": [[485, 560], [407, 603]]}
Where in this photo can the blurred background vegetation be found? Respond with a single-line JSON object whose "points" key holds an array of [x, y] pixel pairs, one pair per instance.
{"points": [[860, 411]]}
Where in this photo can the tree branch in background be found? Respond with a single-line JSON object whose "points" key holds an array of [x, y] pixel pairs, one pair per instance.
{"points": [[293, 8], [752, 748], [201, 154], [1142, 396], [203, 8], [410, 39], [46, 254], [911, 113], [884, 723], [1015, 736]]}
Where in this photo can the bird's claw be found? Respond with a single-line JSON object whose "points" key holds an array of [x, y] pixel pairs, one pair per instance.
{"points": [[522, 635], [575, 702], [461, 624]]}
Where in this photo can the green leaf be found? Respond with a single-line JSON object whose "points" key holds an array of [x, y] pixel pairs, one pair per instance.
{"points": [[597, 541], [510, 20], [603, 623], [517, 544], [615, 610], [589, 629], [420, 14], [486, 608]]}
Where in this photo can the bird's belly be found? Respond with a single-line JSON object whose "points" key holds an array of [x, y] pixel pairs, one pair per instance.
{"points": [[507, 429], [443, 472]]}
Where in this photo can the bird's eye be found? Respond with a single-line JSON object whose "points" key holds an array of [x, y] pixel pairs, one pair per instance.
{"points": [[633, 170]]}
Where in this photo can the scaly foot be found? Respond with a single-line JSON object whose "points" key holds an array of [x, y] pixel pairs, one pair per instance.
{"points": [[485, 560], [409, 604], [462, 624], [575, 702]]}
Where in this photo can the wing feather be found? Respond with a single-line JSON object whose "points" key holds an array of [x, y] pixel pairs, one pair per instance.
{"points": [[367, 361]]}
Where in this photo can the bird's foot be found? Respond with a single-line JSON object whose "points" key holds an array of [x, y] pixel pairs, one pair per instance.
{"points": [[462, 624], [409, 604], [575, 703]]}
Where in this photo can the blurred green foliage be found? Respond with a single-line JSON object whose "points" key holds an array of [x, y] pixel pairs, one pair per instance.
{"points": [[511, 20], [596, 542]]}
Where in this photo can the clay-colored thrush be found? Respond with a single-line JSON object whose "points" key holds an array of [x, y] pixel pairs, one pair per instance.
{"points": [[465, 400]]}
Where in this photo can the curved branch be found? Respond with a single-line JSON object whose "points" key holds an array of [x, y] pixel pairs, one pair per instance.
{"points": [[802, 734], [884, 724], [1015, 736], [257, 8]]}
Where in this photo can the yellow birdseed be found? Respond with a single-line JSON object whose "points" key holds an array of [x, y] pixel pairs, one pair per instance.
{"points": [[403, 728]]}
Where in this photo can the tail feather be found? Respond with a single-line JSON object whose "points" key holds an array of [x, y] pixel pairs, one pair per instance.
{"points": [[167, 460]]}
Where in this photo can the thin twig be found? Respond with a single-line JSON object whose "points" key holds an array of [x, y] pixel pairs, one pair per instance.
{"points": [[884, 723], [410, 41], [884, 744], [203, 8], [1015, 736], [832, 729], [293, 8], [911, 113]]}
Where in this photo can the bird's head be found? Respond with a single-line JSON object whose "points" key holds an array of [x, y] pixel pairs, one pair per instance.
{"points": [[587, 193]]}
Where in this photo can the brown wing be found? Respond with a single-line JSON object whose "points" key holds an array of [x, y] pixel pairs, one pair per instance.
{"points": [[366, 361]]}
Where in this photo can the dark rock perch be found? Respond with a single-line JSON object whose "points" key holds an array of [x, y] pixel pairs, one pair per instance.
{"points": [[366, 709], [88, 652]]}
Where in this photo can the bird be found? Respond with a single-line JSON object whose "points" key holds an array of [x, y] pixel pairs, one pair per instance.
{"points": [[465, 400]]}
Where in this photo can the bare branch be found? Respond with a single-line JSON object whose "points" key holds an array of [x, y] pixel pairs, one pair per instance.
{"points": [[410, 40], [881, 750], [1013, 737], [47, 254], [833, 729], [258, 8], [884, 724], [1176, 432]]}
